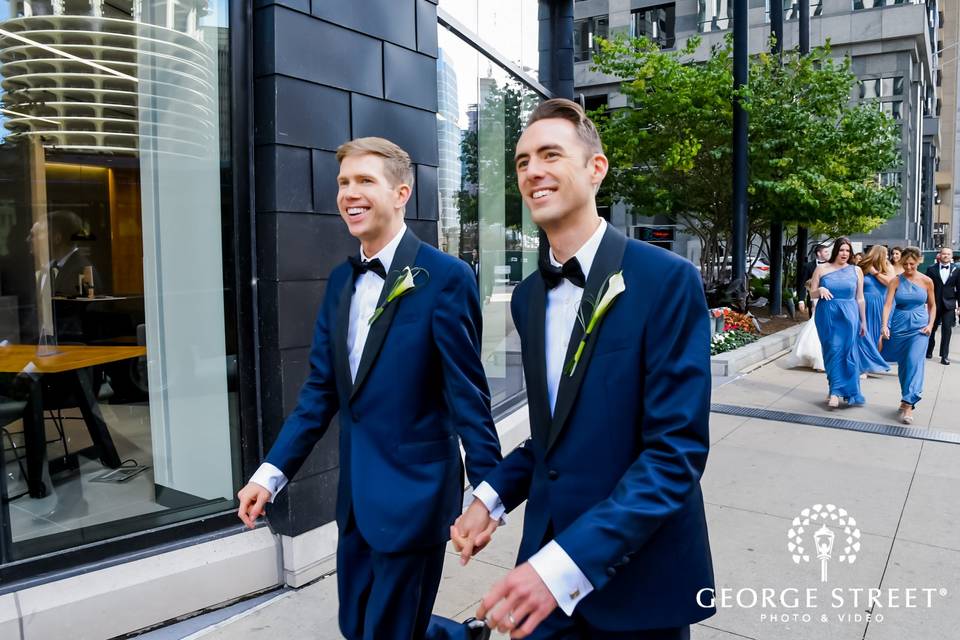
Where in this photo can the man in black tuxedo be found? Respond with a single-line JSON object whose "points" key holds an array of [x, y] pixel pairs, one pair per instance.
{"points": [[822, 254], [946, 284]]}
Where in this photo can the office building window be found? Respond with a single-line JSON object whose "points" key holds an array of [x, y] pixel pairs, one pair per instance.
{"points": [[874, 4], [791, 9], [893, 109], [714, 15], [656, 23], [118, 358], [881, 87], [890, 179], [585, 34]]}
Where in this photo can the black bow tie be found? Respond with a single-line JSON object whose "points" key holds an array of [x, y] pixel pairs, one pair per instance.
{"points": [[944, 266], [571, 270], [360, 267]]}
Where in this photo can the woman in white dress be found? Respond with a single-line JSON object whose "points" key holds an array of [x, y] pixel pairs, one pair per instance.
{"points": [[807, 352]]}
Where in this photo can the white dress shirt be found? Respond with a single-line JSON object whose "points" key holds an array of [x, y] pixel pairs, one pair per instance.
{"points": [[945, 272], [554, 566], [367, 289]]}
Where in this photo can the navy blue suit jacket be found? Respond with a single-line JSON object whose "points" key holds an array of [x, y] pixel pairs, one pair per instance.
{"points": [[419, 385], [614, 474]]}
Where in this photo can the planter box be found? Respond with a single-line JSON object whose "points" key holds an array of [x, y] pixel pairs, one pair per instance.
{"points": [[733, 362]]}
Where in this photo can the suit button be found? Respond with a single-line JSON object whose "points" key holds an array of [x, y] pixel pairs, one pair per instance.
{"points": [[552, 474], [625, 560], [611, 571]]}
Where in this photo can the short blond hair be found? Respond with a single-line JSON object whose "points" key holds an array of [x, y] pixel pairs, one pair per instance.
{"points": [[396, 161]]}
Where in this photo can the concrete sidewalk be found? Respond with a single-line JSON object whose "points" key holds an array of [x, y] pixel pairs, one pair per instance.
{"points": [[761, 474]]}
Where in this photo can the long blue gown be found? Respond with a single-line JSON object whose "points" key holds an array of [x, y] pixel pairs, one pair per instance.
{"points": [[907, 346], [846, 354], [875, 294]]}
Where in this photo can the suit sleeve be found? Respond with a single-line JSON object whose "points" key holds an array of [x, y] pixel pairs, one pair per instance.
{"points": [[317, 402], [674, 424], [457, 326], [511, 479]]}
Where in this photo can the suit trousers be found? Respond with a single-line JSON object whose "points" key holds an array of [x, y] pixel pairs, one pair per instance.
{"points": [[559, 626], [945, 320], [385, 596]]}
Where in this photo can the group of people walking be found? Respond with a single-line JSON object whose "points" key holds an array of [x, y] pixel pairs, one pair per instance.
{"points": [[879, 312]]}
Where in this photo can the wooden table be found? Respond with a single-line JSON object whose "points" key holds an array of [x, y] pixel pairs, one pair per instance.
{"points": [[74, 362]]}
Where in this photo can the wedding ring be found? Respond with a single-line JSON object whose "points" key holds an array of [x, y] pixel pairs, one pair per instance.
{"points": [[513, 622]]}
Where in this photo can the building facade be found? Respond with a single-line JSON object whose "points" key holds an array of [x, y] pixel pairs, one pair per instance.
{"points": [[896, 48], [168, 222]]}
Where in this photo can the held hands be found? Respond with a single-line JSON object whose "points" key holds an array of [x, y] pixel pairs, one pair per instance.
{"points": [[252, 498], [825, 293], [518, 603], [472, 531]]}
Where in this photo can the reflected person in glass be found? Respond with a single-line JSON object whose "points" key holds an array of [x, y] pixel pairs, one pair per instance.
{"points": [[396, 351]]}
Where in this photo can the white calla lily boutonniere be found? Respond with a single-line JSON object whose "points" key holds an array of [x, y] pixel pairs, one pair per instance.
{"points": [[612, 288], [404, 284]]}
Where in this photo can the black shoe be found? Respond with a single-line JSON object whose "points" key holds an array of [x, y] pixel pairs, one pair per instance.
{"points": [[929, 356], [477, 629], [944, 360]]}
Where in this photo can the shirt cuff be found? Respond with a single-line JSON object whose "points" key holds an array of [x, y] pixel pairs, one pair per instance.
{"points": [[491, 500], [270, 478], [563, 578]]}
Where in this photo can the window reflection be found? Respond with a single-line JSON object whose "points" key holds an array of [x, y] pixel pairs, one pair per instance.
{"points": [[114, 401], [482, 111]]}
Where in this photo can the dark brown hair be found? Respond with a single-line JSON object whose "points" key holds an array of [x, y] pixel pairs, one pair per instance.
{"points": [[843, 240], [574, 114]]}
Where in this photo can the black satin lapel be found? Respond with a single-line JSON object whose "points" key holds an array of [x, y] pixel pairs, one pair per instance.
{"points": [[341, 356], [535, 361], [607, 262], [405, 256]]}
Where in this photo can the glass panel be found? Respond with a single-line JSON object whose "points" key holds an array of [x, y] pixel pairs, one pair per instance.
{"points": [[870, 88], [114, 402], [714, 15], [510, 27], [482, 112], [585, 34]]}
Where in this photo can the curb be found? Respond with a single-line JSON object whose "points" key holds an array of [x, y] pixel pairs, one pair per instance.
{"points": [[733, 362]]}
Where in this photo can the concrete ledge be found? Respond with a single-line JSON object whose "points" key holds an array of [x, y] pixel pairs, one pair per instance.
{"points": [[733, 362], [143, 593], [9, 618], [310, 555]]}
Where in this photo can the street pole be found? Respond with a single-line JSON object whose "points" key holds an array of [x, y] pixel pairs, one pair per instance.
{"points": [[738, 250], [802, 233], [776, 227]]}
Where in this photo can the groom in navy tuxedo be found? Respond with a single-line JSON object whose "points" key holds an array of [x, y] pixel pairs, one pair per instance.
{"points": [[396, 350], [615, 350]]}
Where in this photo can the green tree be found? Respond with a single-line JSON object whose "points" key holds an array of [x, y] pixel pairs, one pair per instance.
{"points": [[814, 155]]}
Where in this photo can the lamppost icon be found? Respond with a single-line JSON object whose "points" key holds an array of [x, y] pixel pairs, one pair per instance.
{"points": [[823, 538]]}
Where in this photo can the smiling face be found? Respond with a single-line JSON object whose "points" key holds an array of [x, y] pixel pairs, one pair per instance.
{"points": [[946, 256], [371, 206], [895, 256], [557, 174]]}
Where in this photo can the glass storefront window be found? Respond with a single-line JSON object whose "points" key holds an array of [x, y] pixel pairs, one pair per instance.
{"points": [[509, 26], [116, 363], [482, 110]]}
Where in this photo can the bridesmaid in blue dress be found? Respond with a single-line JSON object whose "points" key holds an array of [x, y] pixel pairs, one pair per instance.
{"points": [[842, 326], [908, 316], [878, 273]]}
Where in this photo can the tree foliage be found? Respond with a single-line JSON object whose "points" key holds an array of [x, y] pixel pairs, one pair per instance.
{"points": [[814, 155]]}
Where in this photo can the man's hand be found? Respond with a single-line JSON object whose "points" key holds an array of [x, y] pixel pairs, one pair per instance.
{"points": [[472, 531], [518, 603], [252, 498]]}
